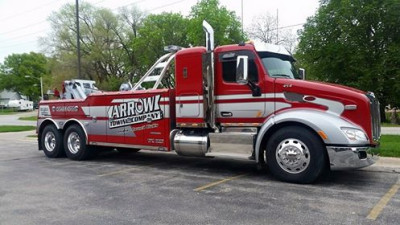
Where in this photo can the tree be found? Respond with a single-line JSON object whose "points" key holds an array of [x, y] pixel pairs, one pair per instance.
{"points": [[106, 41], [265, 28], [16, 69], [227, 27], [156, 32], [355, 43]]}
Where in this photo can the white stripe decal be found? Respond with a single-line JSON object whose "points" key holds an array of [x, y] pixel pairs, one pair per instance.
{"points": [[334, 107], [189, 98], [121, 100], [101, 111], [248, 96]]}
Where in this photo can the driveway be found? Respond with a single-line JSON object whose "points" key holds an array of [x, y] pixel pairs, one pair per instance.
{"points": [[391, 130], [13, 119]]}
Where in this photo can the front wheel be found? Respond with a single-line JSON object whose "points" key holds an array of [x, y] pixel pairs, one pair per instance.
{"points": [[295, 154], [75, 143]]}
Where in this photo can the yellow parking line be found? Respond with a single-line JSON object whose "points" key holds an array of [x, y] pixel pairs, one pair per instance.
{"points": [[116, 172], [383, 202], [218, 182]]}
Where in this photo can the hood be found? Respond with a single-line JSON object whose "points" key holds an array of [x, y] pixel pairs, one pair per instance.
{"points": [[339, 86], [320, 89], [348, 103]]}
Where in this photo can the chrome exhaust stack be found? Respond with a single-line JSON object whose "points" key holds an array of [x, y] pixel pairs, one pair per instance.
{"points": [[208, 76], [209, 36]]}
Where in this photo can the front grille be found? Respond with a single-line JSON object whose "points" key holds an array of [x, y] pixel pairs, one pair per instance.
{"points": [[375, 116]]}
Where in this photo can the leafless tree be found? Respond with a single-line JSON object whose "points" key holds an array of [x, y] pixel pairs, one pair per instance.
{"points": [[265, 28]]}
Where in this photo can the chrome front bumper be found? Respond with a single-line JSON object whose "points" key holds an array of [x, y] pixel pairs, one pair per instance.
{"points": [[342, 158]]}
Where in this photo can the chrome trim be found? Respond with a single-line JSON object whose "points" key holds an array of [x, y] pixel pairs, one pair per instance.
{"points": [[192, 125], [82, 126], [241, 124], [375, 116], [343, 158], [350, 107], [292, 156], [74, 142], [50, 141], [124, 145]]}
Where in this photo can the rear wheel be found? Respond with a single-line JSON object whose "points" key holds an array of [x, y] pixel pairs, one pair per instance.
{"points": [[295, 154], [75, 143], [51, 142]]}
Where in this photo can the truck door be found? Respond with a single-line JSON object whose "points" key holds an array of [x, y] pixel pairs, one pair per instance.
{"points": [[236, 105]]}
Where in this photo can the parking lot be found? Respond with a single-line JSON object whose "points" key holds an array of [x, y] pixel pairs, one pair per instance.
{"points": [[163, 188]]}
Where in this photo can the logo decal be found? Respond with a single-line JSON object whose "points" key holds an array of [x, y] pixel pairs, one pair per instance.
{"points": [[64, 108], [134, 112], [44, 111]]}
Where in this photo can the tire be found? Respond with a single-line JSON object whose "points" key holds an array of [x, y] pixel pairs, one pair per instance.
{"points": [[296, 154], [51, 142], [75, 144]]}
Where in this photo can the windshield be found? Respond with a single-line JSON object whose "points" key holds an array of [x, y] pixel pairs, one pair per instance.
{"points": [[279, 66]]}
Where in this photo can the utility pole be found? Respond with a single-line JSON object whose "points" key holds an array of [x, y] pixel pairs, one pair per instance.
{"points": [[78, 43], [242, 20], [277, 26]]}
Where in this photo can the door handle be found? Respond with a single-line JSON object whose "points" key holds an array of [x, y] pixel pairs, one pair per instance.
{"points": [[226, 114]]}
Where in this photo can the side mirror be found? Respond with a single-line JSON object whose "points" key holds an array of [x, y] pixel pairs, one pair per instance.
{"points": [[242, 62], [302, 73]]}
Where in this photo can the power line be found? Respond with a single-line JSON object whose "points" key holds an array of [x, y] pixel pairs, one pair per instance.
{"points": [[24, 27], [28, 11], [19, 44], [24, 35], [294, 25], [133, 3], [166, 5]]}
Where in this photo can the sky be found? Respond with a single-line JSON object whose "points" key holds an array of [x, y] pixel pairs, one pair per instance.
{"points": [[23, 22]]}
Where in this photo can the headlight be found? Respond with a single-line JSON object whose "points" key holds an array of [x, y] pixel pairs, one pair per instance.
{"points": [[354, 134]]}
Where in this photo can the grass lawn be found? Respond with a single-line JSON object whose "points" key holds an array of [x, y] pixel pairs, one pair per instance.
{"points": [[390, 146], [7, 111], [6, 128], [390, 125], [30, 118]]}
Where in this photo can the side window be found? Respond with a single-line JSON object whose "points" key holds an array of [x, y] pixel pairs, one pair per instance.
{"points": [[228, 61]]}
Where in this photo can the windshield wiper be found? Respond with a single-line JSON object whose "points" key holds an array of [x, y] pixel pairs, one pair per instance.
{"points": [[282, 75]]}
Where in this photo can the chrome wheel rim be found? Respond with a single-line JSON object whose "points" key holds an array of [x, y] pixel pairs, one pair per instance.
{"points": [[50, 141], [293, 156], [74, 142]]}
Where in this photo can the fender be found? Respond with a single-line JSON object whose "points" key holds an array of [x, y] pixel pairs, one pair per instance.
{"points": [[329, 123], [80, 124], [39, 123], [61, 126], [40, 127]]}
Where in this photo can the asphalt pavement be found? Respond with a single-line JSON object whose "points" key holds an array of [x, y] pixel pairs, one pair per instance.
{"points": [[163, 188]]}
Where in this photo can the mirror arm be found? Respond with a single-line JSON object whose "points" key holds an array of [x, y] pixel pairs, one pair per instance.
{"points": [[256, 92]]}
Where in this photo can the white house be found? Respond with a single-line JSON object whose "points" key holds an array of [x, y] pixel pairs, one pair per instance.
{"points": [[11, 99]]}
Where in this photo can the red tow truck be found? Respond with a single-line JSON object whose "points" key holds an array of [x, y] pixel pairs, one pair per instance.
{"points": [[302, 127]]}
